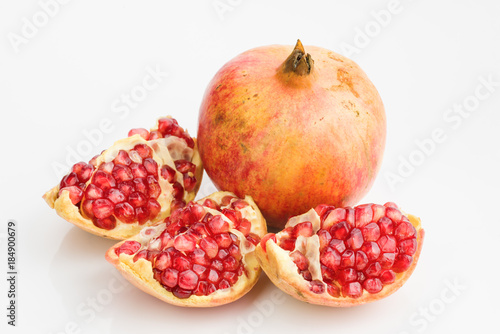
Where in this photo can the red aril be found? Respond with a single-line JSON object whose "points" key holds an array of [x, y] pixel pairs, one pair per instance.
{"points": [[138, 181], [352, 256], [196, 257]]}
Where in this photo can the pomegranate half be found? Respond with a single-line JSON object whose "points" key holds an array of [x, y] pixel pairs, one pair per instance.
{"points": [[292, 129], [202, 255], [138, 181], [343, 256]]}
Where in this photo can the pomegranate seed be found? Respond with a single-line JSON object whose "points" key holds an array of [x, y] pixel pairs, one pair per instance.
{"points": [[222, 254], [153, 187], [244, 226], [181, 262], [322, 210], [372, 285], [210, 247], [198, 256], [154, 208], [371, 249], [307, 275], [355, 240], [333, 290], [103, 180], [239, 204], [347, 275], [393, 214], [378, 212], [233, 215], [128, 247], [142, 214], [184, 243], [324, 239], [102, 208], [163, 261], [155, 135], [167, 125], [107, 223], [405, 230], [374, 269], [93, 192], [387, 243], [143, 150], [178, 191], [363, 215], [201, 271], [387, 260], [217, 265], [151, 166], [126, 187], [213, 276], [87, 208], [75, 194], [115, 195], [223, 240], [361, 260], [122, 173], [234, 251], [139, 131], [408, 246], [300, 260], [330, 258], [137, 199], [107, 167], [371, 232], [264, 240], [141, 185], [224, 284], [188, 280], [338, 245], [253, 239], [168, 173], [340, 230], [218, 225], [402, 263], [387, 277], [209, 203], [138, 170], [328, 274], [83, 171], [287, 244], [348, 259], [125, 212], [304, 229], [352, 290], [189, 182], [226, 200], [69, 180], [184, 166], [181, 293], [196, 211], [317, 287], [143, 254], [230, 277], [386, 226], [230, 264], [122, 158], [169, 277]]}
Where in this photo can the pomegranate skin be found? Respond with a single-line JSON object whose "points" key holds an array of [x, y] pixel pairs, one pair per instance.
{"points": [[292, 140]]}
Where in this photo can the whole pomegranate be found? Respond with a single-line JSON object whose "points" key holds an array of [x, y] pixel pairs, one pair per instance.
{"points": [[343, 256], [292, 130]]}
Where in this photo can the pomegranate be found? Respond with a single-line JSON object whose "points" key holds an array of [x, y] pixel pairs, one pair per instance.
{"points": [[138, 181], [343, 256], [292, 130], [201, 255]]}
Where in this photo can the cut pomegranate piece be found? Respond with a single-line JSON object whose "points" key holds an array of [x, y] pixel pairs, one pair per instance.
{"points": [[353, 255], [125, 186], [197, 253]]}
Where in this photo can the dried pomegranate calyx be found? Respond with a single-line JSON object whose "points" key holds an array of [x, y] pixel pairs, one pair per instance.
{"points": [[133, 183], [202, 255], [343, 256]]}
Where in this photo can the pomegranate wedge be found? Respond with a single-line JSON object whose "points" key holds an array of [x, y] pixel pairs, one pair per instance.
{"points": [[343, 256], [137, 182], [202, 255]]}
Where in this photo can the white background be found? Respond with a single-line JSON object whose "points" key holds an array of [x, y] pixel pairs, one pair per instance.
{"points": [[67, 76]]}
